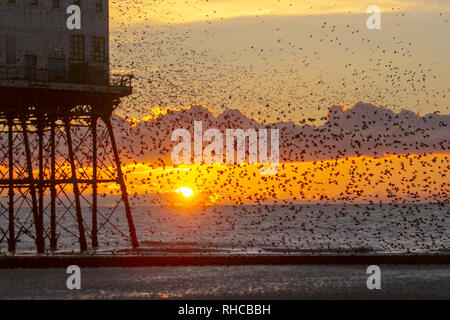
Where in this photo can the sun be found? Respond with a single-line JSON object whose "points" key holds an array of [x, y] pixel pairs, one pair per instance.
{"points": [[185, 191]]}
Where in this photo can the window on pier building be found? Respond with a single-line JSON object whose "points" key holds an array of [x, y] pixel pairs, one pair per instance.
{"points": [[10, 50], [77, 51], [99, 5], [98, 53]]}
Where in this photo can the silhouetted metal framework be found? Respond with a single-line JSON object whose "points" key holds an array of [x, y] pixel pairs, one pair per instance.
{"points": [[57, 148]]}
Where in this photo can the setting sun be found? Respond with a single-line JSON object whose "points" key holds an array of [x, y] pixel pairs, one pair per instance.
{"points": [[187, 192]]}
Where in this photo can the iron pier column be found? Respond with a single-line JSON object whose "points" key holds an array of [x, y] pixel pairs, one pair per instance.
{"points": [[94, 181], [12, 234], [76, 190], [121, 181], [53, 239], [38, 220]]}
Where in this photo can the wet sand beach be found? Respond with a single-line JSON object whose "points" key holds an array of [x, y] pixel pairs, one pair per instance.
{"points": [[232, 282]]}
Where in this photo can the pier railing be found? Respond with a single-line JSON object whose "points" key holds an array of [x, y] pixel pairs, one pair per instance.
{"points": [[89, 76]]}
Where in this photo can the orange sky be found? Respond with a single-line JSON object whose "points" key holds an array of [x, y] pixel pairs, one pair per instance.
{"points": [[392, 179], [356, 180], [297, 57], [191, 11], [219, 53]]}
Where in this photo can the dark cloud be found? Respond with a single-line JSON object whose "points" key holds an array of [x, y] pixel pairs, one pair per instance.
{"points": [[363, 129]]}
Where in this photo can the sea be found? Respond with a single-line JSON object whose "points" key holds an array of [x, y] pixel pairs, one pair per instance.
{"points": [[250, 229], [267, 229]]}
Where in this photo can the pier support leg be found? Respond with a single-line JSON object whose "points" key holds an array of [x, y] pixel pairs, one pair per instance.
{"points": [[53, 240], [94, 181], [40, 128], [38, 220], [12, 234], [76, 190], [121, 181]]}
